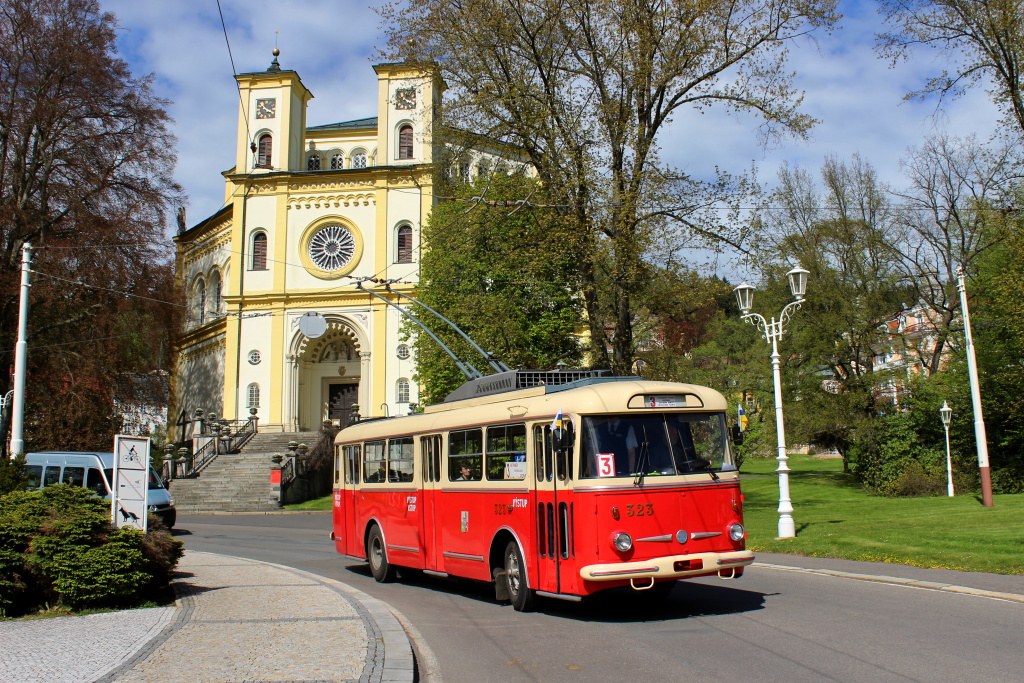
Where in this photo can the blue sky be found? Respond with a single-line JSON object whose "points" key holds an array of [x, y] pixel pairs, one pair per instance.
{"points": [[332, 44]]}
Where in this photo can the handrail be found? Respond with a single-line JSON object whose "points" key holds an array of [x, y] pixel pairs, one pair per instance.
{"points": [[201, 458], [295, 465], [226, 436]]}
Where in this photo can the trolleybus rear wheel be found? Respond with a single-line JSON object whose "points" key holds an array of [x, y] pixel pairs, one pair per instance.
{"points": [[515, 578], [377, 555]]}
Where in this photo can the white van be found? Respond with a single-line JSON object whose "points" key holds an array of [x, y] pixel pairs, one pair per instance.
{"points": [[94, 471]]}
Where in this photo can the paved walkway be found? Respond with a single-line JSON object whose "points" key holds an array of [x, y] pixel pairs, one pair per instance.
{"points": [[235, 620]]}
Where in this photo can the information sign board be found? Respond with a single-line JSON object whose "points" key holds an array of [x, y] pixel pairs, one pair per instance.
{"points": [[131, 481]]}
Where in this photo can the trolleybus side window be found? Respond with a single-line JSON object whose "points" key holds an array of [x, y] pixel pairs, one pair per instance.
{"points": [[542, 452], [465, 455], [400, 460], [337, 465], [350, 456], [375, 465], [506, 452], [431, 447]]}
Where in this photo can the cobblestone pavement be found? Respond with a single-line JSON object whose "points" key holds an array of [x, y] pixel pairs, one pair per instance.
{"points": [[235, 620]]}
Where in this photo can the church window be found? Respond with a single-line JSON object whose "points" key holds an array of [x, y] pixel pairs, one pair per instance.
{"points": [[332, 247], [254, 357], [216, 288], [402, 391], [403, 352], [405, 142], [404, 244], [313, 162], [253, 396], [337, 162], [265, 151], [259, 251], [359, 160], [200, 302]]}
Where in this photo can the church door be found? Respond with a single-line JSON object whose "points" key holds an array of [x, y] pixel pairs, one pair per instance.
{"points": [[340, 399]]}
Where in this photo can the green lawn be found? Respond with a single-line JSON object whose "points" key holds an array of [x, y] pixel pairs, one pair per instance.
{"points": [[316, 504], [835, 517]]}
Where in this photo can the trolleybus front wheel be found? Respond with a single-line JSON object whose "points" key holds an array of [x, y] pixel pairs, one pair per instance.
{"points": [[515, 578], [377, 555]]}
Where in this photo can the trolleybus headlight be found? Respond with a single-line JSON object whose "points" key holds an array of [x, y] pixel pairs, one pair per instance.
{"points": [[623, 542], [736, 532]]}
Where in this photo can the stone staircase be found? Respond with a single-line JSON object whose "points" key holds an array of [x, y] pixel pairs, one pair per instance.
{"points": [[237, 482]]}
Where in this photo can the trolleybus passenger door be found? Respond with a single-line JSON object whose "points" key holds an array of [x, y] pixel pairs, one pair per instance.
{"points": [[553, 511], [345, 505], [430, 466]]}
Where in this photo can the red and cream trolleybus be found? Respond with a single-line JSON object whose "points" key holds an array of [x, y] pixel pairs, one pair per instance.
{"points": [[557, 484]]}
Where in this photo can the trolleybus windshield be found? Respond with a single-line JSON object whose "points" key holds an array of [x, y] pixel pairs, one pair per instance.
{"points": [[654, 444]]}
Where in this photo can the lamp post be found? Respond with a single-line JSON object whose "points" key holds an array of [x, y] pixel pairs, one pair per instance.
{"points": [[979, 419], [772, 332], [946, 413]]}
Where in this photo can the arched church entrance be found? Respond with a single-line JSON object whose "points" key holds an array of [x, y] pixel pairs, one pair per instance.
{"points": [[329, 370]]}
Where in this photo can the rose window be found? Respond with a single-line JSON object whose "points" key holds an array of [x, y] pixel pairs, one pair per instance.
{"points": [[332, 247]]}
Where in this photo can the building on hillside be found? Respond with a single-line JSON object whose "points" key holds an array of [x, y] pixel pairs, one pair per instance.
{"points": [[141, 401], [308, 211], [909, 336]]}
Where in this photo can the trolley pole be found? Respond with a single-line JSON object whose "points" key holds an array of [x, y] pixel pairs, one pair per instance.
{"points": [[20, 358]]}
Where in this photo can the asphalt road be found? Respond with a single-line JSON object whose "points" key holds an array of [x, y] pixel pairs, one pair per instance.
{"points": [[770, 625]]}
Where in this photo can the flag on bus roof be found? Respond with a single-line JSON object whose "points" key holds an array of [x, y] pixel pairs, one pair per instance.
{"points": [[557, 422], [741, 418]]}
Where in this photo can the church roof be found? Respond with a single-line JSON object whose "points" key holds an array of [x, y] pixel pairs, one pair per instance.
{"points": [[369, 122]]}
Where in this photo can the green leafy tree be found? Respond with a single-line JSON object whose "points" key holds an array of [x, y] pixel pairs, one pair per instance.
{"points": [[504, 273], [586, 88]]}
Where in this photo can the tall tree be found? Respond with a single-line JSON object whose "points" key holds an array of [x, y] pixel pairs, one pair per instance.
{"points": [[86, 163], [586, 88], [984, 39]]}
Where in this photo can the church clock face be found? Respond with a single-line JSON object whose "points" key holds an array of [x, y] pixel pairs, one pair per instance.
{"points": [[266, 108], [332, 247]]}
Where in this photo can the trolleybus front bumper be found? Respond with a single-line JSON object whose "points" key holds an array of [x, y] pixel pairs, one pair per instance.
{"points": [[669, 567]]}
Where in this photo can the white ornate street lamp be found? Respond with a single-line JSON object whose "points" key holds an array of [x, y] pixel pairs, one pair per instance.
{"points": [[946, 413], [772, 332], [979, 419]]}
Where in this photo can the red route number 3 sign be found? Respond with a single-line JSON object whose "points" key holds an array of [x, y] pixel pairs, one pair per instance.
{"points": [[606, 464]]}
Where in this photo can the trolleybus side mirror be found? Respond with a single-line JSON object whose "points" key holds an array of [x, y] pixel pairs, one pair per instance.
{"points": [[737, 435]]}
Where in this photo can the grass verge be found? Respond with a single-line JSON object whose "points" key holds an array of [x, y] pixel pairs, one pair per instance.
{"points": [[316, 504], [836, 517]]}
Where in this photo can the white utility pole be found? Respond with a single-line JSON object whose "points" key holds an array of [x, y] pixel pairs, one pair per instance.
{"points": [[20, 358]]}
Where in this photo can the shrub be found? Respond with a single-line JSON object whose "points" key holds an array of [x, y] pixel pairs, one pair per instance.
{"points": [[59, 548], [12, 474], [891, 460]]}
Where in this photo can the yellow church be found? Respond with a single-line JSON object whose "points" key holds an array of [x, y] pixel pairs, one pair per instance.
{"points": [[277, 324]]}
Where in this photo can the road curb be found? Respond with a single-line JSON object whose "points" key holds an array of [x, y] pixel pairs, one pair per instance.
{"points": [[898, 581]]}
